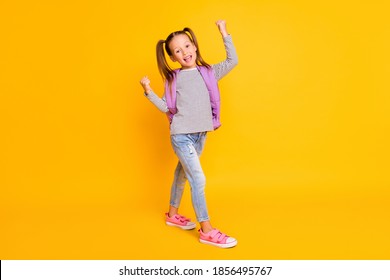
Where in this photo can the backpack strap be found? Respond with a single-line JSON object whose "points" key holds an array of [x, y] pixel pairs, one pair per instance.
{"points": [[170, 95], [212, 86]]}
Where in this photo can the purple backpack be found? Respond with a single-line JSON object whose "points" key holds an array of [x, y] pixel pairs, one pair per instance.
{"points": [[212, 87]]}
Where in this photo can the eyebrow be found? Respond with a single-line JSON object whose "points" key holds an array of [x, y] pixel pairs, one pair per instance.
{"points": [[184, 43]]}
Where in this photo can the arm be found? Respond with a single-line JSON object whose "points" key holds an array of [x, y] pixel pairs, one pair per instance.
{"points": [[224, 67], [160, 103]]}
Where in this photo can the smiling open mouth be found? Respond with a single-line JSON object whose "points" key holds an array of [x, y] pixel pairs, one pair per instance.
{"points": [[188, 58]]}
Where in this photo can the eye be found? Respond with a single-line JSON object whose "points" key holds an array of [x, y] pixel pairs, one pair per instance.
{"points": [[187, 46]]}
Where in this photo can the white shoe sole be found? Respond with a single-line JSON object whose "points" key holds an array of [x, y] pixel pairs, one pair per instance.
{"points": [[191, 226], [227, 245]]}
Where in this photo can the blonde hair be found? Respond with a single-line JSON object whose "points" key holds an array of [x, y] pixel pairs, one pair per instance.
{"points": [[165, 70]]}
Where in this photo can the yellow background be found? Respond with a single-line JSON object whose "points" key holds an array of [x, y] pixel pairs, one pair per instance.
{"points": [[298, 170]]}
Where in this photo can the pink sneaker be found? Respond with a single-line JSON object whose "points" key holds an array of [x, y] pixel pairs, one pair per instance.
{"points": [[217, 238], [179, 221]]}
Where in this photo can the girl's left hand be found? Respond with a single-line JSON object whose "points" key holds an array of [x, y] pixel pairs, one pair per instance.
{"points": [[222, 27]]}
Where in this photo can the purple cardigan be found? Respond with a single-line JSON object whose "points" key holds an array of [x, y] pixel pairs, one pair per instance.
{"points": [[212, 86]]}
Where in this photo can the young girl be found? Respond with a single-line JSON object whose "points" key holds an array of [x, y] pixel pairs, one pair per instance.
{"points": [[191, 102]]}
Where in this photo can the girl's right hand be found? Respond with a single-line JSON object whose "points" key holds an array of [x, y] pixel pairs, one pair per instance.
{"points": [[145, 83]]}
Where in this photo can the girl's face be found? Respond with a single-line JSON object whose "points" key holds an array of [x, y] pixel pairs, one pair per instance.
{"points": [[183, 51]]}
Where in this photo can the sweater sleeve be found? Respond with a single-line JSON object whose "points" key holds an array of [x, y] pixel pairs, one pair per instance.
{"points": [[224, 67], [160, 103]]}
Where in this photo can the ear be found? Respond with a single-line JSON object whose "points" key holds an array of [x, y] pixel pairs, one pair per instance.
{"points": [[172, 58]]}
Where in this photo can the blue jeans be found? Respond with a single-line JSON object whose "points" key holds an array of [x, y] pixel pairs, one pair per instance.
{"points": [[188, 148]]}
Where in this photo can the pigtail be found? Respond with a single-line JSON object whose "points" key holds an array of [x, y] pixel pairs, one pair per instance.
{"points": [[199, 58], [165, 70]]}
